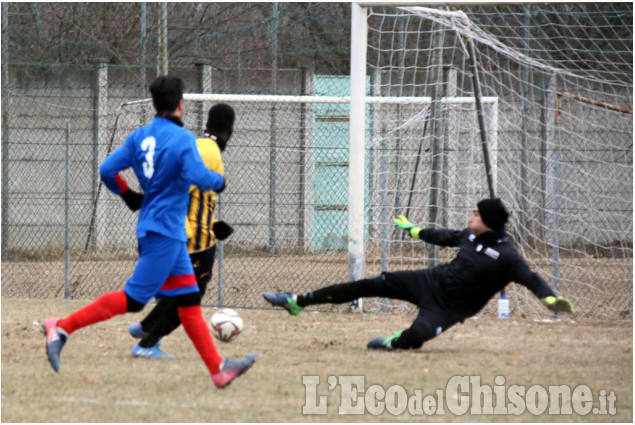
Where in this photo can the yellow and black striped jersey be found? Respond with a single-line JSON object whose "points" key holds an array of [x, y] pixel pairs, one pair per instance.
{"points": [[200, 215]]}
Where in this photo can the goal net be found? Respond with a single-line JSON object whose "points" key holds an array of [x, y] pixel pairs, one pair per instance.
{"points": [[560, 151]]}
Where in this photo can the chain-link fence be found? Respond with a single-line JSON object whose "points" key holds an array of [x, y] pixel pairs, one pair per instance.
{"points": [[63, 234], [288, 193]]}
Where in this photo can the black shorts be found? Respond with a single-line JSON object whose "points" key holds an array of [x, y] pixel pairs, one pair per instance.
{"points": [[203, 263], [419, 288]]}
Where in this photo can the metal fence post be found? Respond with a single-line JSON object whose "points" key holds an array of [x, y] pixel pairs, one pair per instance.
{"points": [[142, 49], [100, 100], [221, 256], [5, 131], [385, 232], [551, 167], [67, 212], [162, 54], [204, 85], [306, 158], [524, 165], [272, 135], [555, 228]]}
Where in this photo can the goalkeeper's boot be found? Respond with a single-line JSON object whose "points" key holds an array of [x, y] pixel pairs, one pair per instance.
{"points": [[559, 304], [55, 340], [231, 369], [383, 343], [153, 352], [286, 301], [137, 331]]}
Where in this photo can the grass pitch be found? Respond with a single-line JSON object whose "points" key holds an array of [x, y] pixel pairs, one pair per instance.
{"points": [[100, 382]]}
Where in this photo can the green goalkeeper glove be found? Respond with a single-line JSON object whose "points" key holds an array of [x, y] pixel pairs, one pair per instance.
{"points": [[405, 224], [558, 304]]}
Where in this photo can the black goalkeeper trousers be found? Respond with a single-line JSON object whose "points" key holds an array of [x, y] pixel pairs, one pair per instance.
{"points": [[164, 317], [416, 287]]}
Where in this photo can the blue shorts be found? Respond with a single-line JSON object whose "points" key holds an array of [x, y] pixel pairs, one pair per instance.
{"points": [[164, 269]]}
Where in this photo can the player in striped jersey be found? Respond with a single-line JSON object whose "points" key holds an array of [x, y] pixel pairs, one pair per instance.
{"points": [[202, 230]]}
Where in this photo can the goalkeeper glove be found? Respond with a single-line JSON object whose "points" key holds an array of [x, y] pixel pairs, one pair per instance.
{"points": [[222, 230], [558, 304], [132, 199], [403, 222]]}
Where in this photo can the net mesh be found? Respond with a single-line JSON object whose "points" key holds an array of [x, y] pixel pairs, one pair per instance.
{"points": [[559, 138]]}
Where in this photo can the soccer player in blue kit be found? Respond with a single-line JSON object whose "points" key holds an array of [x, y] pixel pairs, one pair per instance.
{"points": [[166, 162]]}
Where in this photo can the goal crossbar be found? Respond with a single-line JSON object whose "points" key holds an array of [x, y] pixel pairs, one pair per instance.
{"points": [[405, 100]]}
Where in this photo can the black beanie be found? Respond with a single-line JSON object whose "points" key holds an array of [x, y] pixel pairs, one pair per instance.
{"points": [[493, 213]]}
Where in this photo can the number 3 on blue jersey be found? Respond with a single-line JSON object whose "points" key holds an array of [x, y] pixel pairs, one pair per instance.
{"points": [[148, 146]]}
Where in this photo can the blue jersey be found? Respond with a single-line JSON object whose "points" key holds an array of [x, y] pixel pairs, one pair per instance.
{"points": [[166, 161]]}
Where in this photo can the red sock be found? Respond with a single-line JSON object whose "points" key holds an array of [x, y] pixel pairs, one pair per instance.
{"points": [[103, 308], [199, 333]]}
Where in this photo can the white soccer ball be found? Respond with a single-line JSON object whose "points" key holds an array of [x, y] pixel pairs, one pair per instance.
{"points": [[226, 324]]}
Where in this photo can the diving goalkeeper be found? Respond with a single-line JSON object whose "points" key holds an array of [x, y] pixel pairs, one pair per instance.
{"points": [[449, 293]]}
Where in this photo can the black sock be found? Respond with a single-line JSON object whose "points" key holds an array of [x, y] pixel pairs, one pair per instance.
{"points": [[155, 314], [162, 325], [344, 292], [304, 299]]}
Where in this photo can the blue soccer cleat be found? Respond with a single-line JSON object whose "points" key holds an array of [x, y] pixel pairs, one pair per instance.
{"points": [[137, 331], [285, 300], [54, 342], [231, 369], [151, 353]]}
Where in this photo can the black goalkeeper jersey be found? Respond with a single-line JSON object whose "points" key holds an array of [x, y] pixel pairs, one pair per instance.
{"points": [[483, 266]]}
